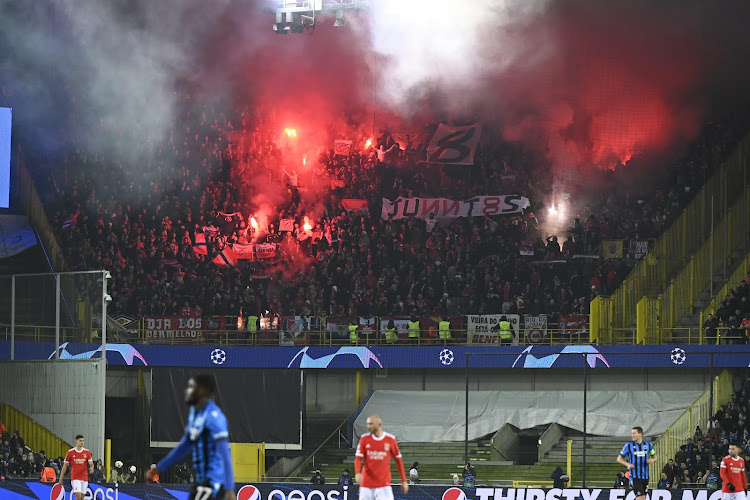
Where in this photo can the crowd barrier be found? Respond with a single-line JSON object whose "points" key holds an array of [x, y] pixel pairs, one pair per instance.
{"points": [[677, 246], [23, 490]]}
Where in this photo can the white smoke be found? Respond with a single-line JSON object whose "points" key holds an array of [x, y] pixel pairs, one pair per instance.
{"points": [[428, 45]]}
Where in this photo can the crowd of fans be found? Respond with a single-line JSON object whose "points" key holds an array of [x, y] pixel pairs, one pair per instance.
{"points": [[698, 460], [18, 461], [219, 163], [732, 319]]}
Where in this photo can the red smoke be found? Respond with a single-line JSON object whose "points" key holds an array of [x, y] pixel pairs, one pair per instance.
{"points": [[588, 84]]}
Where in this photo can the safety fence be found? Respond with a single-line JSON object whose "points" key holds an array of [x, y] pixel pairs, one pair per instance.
{"points": [[740, 273], [697, 414], [713, 257], [675, 248], [492, 329]]}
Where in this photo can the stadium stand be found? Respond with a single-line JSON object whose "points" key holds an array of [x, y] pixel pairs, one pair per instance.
{"points": [[347, 263]]}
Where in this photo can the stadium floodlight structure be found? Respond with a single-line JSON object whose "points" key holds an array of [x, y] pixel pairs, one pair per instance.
{"points": [[297, 16]]}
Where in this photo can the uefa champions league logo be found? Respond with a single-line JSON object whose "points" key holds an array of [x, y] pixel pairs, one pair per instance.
{"points": [[446, 357], [678, 356], [218, 356], [127, 351], [531, 361], [303, 360]]}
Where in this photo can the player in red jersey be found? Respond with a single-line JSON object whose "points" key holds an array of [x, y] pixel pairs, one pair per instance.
{"points": [[372, 462], [81, 464], [733, 478]]}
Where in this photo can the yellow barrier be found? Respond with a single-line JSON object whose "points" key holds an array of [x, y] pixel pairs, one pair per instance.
{"points": [[35, 436], [729, 235], [698, 413], [249, 462], [531, 483], [739, 274], [673, 249]]}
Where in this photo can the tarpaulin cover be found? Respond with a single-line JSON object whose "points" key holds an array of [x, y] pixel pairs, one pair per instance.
{"points": [[434, 416], [260, 406]]}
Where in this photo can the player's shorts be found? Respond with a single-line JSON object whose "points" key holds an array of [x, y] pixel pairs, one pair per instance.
{"points": [[384, 493], [79, 486], [733, 495], [640, 487], [204, 491]]}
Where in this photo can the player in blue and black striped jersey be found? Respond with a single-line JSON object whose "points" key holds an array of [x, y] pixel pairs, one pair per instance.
{"points": [[207, 436], [637, 455]]}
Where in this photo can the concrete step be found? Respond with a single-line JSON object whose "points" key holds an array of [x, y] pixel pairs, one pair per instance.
{"points": [[596, 445], [595, 439], [589, 460], [590, 452]]}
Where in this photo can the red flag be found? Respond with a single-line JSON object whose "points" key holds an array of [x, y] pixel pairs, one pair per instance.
{"points": [[350, 204], [227, 257], [200, 244]]}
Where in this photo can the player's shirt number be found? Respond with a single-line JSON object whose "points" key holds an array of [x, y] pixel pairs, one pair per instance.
{"points": [[203, 493]]}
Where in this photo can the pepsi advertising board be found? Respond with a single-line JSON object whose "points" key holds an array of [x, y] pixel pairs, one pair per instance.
{"points": [[357, 357], [24, 490]]}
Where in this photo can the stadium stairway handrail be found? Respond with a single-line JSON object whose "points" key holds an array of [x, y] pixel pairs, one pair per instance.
{"points": [[333, 434], [739, 274], [697, 413], [730, 235], [673, 249], [36, 436]]}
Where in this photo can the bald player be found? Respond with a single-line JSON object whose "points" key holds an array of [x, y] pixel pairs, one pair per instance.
{"points": [[372, 463]]}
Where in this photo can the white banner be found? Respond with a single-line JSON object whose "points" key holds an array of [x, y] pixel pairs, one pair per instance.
{"points": [[454, 145], [483, 329], [536, 329], [401, 325], [443, 208]]}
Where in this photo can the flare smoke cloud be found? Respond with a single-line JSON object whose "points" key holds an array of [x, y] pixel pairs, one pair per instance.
{"points": [[585, 82]]}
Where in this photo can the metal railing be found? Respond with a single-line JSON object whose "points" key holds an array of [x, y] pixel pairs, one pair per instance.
{"points": [[698, 413], [673, 250], [729, 235], [740, 273], [311, 458], [37, 437], [317, 338]]}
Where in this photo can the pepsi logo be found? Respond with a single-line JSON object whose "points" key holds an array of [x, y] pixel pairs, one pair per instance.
{"points": [[57, 492], [454, 494], [248, 492]]}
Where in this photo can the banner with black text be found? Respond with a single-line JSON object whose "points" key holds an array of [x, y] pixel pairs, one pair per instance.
{"points": [[443, 208], [454, 145]]}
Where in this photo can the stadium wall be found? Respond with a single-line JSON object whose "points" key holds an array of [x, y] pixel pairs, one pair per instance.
{"points": [[334, 392], [66, 397]]}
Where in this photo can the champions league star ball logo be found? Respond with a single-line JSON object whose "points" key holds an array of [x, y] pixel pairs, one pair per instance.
{"points": [[218, 356], [678, 356], [446, 357]]}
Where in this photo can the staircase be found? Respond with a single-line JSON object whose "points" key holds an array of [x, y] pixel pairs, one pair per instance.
{"points": [[705, 298], [437, 461], [601, 459]]}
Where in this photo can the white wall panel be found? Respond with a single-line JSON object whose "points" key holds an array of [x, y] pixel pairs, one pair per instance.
{"points": [[66, 396]]}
